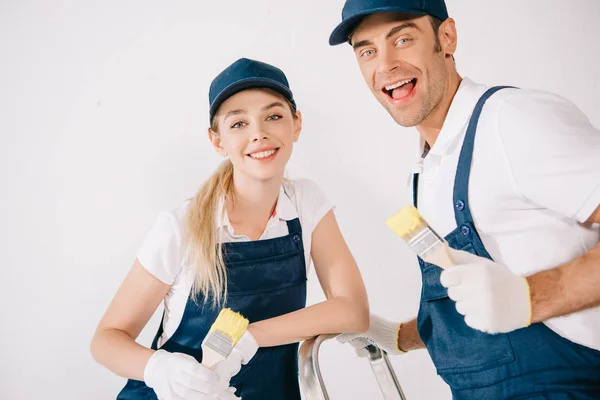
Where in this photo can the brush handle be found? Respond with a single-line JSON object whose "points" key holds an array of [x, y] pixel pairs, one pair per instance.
{"points": [[440, 256], [210, 357]]}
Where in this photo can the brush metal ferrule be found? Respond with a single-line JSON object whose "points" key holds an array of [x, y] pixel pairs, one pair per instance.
{"points": [[220, 343], [425, 242]]}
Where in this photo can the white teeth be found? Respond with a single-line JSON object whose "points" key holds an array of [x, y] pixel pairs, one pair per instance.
{"points": [[397, 85], [263, 154]]}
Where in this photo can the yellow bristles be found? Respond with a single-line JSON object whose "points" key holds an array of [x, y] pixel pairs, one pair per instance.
{"points": [[406, 222], [230, 323]]}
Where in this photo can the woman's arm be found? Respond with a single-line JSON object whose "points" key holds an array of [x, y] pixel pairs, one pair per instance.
{"points": [[113, 344], [346, 308]]}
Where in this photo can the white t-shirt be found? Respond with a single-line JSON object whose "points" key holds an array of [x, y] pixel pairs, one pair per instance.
{"points": [[163, 253], [535, 179]]}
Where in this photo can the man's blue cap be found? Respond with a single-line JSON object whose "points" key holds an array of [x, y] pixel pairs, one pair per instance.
{"points": [[247, 74], [356, 10]]}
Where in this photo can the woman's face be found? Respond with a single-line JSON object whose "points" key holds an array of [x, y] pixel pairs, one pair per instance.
{"points": [[257, 130]]}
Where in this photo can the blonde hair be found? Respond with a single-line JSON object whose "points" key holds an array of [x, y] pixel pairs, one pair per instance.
{"points": [[206, 249]]}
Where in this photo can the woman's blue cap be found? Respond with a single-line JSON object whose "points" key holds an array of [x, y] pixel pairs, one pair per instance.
{"points": [[247, 74]]}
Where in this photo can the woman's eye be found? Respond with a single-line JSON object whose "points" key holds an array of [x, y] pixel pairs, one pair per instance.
{"points": [[237, 125], [274, 117]]}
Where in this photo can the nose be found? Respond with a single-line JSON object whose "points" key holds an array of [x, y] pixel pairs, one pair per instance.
{"points": [[259, 134], [387, 61]]}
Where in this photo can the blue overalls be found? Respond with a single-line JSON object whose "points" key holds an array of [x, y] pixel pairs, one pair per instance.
{"points": [[529, 363], [266, 278]]}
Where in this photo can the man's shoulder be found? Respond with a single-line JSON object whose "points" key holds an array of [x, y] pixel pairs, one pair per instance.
{"points": [[516, 104]]}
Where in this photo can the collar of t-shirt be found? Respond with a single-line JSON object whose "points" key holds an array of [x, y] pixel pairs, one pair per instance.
{"points": [[284, 211], [456, 121]]}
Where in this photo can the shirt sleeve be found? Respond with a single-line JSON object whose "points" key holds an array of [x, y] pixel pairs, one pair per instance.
{"points": [[160, 253], [553, 152], [314, 205]]}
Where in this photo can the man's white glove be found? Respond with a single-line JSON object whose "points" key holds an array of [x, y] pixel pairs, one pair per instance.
{"points": [[178, 376], [381, 332], [489, 295]]}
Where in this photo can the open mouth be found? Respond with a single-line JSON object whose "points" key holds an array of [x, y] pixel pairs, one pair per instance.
{"points": [[400, 90], [263, 155]]}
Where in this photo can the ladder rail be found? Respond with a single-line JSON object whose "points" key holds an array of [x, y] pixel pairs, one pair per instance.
{"points": [[311, 379]]}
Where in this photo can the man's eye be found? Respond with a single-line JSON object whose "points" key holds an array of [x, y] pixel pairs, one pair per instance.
{"points": [[402, 42], [367, 53]]}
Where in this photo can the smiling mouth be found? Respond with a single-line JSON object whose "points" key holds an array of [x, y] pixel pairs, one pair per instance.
{"points": [[400, 90], [263, 154]]}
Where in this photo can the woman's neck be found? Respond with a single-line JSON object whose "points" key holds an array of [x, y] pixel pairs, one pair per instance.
{"points": [[252, 204]]}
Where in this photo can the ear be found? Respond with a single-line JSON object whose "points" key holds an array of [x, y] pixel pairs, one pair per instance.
{"points": [[297, 125], [448, 37], [215, 140]]}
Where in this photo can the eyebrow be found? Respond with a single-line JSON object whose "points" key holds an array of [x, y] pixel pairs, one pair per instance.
{"points": [[242, 111], [391, 33], [273, 105], [233, 112]]}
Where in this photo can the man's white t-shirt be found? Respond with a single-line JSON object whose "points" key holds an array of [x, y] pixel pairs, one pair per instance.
{"points": [[535, 180], [164, 255]]}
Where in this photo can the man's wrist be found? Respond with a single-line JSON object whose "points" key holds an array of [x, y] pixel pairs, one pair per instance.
{"points": [[544, 290], [408, 337]]}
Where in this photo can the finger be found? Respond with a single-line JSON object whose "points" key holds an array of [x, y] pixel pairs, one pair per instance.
{"points": [[360, 343], [203, 373], [464, 257], [452, 276], [193, 368], [478, 321], [362, 352], [229, 395], [463, 307], [199, 384], [346, 337], [458, 293], [229, 367]]}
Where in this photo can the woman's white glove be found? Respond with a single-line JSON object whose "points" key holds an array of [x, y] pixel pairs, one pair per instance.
{"points": [[381, 332], [178, 376], [241, 354]]}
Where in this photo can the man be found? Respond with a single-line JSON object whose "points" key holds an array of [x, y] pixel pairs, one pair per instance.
{"points": [[511, 178]]}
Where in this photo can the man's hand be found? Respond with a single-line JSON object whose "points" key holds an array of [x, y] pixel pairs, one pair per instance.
{"points": [[489, 295], [381, 332]]}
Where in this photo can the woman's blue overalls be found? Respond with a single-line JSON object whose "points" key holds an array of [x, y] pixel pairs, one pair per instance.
{"points": [[266, 278]]}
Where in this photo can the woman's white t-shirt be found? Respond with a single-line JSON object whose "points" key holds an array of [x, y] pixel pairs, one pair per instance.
{"points": [[163, 252]]}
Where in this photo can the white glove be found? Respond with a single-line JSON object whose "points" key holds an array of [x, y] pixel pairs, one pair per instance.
{"points": [[241, 354], [178, 376], [489, 295], [246, 347], [228, 395], [381, 332]]}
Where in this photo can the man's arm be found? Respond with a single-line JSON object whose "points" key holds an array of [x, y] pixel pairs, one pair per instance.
{"points": [[408, 337], [569, 288]]}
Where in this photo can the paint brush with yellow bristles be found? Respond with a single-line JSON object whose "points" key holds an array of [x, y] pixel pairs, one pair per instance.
{"points": [[410, 226], [223, 335]]}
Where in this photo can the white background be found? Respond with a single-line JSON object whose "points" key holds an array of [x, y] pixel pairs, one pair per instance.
{"points": [[103, 112]]}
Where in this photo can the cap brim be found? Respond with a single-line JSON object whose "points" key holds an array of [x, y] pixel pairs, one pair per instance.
{"points": [[249, 83], [342, 32]]}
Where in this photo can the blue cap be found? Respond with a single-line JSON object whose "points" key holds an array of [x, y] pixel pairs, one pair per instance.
{"points": [[247, 74], [356, 10]]}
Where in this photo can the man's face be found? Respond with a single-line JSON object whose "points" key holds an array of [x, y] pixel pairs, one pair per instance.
{"points": [[403, 64]]}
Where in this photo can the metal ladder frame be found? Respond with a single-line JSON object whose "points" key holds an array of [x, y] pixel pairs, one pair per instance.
{"points": [[312, 382]]}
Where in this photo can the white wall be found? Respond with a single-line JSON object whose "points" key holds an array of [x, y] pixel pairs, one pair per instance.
{"points": [[103, 110]]}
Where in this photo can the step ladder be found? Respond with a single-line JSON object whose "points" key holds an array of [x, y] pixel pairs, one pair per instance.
{"points": [[311, 380]]}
